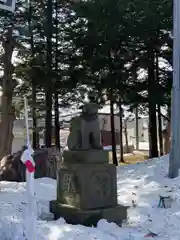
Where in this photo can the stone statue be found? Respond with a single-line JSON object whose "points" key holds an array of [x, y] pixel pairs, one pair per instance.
{"points": [[74, 138], [85, 129], [90, 127], [86, 182]]}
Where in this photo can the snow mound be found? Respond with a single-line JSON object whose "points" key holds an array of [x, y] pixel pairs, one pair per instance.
{"points": [[139, 186]]}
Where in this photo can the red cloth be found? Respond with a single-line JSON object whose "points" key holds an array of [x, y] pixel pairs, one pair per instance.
{"points": [[29, 166]]}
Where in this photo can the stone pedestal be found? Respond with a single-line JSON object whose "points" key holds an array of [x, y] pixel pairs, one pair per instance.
{"points": [[87, 186], [88, 217], [87, 189], [83, 156]]}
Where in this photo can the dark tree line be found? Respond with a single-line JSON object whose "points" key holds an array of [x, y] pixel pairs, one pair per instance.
{"points": [[99, 44]]}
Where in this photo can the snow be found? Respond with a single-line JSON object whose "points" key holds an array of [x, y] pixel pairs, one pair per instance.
{"points": [[142, 146], [139, 186]]}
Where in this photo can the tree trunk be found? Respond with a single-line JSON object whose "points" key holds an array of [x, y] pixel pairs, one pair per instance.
{"points": [[159, 108], [121, 132], [35, 142], [56, 95], [160, 131], [134, 76], [48, 85], [8, 111], [126, 137], [57, 125], [137, 128], [113, 131], [168, 139], [167, 135], [153, 147]]}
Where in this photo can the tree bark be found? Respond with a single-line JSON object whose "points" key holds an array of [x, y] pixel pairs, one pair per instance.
{"points": [[160, 131], [56, 95], [167, 135], [48, 85], [134, 76], [34, 142], [159, 108], [137, 128], [168, 139], [153, 147], [57, 125], [8, 111], [114, 155], [121, 132], [126, 137], [35, 133]]}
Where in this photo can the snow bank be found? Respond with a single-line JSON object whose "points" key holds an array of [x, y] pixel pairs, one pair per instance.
{"points": [[139, 186]]}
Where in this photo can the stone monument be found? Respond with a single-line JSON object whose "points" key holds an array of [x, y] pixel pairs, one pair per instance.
{"points": [[86, 182]]}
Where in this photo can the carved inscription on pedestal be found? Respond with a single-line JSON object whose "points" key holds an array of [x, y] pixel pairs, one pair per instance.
{"points": [[68, 183], [100, 185]]}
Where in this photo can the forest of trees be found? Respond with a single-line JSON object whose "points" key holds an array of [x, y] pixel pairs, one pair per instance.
{"points": [[120, 49]]}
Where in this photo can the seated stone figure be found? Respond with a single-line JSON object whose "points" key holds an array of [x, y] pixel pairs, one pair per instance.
{"points": [[90, 127], [85, 129], [74, 138]]}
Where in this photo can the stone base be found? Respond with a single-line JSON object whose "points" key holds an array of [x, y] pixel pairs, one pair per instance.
{"points": [[88, 217], [86, 156], [87, 186]]}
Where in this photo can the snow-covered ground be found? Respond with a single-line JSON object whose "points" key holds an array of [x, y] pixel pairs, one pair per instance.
{"points": [[139, 186], [142, 146]]}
